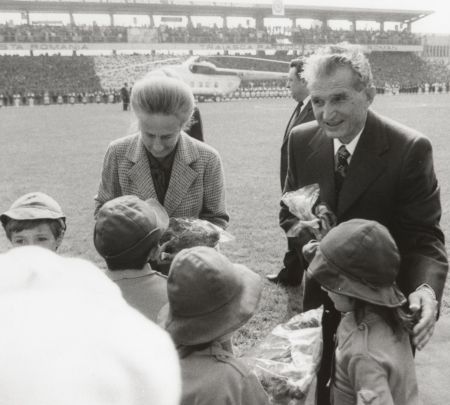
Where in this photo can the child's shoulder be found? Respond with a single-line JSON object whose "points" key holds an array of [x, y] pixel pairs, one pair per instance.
{"points": [[220, 361], [372, 336], [230, 360]]}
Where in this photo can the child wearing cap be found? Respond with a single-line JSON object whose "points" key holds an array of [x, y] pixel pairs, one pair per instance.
{"points": [[126, 235], [356, 264], [210, 298], [35, 219]]}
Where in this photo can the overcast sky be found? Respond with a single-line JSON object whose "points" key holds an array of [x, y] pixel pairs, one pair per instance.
{"points": [[439, 22]]}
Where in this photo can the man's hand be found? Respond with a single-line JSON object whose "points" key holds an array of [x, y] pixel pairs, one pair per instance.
{"points": [[422, 301], [309, 250]]}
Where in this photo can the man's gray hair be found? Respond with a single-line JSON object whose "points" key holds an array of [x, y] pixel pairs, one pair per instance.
{"points": [[159, 94], [328, 59]]}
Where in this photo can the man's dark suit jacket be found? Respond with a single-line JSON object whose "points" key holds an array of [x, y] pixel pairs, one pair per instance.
{"points": [[306, 115], [196, 129], [390, 179]]}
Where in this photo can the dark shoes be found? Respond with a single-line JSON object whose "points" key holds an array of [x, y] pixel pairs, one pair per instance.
{"points": [[281, 279]]}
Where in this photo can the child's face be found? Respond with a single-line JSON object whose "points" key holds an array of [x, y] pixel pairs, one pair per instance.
{"points": [[341, 302], [40, 235]]}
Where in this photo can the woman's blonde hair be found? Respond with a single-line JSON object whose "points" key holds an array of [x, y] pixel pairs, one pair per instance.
{"points": [[158, 94]]}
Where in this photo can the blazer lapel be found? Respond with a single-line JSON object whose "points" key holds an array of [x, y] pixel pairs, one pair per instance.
{"points": [[320, 165], [304, 113], [139, 173], [366, 164], [294, 121], [290, 125], [182, 175]]}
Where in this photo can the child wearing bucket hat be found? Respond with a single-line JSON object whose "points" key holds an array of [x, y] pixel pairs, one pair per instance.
{"points": [[357, 263], [210, 298], [35, 219], [126, 235], [70, 338]]}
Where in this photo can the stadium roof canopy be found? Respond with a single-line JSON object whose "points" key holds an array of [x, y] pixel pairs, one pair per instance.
{"points": [[210, 8]]}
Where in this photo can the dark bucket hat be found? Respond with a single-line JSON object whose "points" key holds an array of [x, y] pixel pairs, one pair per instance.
{"points": [[127, 228], [208, 296], [359, 259]]}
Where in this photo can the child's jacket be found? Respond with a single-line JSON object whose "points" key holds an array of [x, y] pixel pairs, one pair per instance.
{"points": [[215, 376], [372, 365]]}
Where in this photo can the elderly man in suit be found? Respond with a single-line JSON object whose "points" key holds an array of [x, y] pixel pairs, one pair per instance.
{"points": [[292, 272], [368, 166], [161, 161]]}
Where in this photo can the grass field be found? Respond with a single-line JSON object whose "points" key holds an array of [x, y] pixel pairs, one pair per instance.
{"points": [[59, 150]]}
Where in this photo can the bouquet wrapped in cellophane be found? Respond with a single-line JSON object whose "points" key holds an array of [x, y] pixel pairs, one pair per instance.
{"points": [[312, 215], [287, 360], [184, 233]]}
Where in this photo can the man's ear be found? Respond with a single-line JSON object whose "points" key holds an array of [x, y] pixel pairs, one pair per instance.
{"points": [[59, 239], [154, 253], [370, 93]]}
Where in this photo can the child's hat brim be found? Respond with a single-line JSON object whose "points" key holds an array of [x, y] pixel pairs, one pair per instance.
{"points": [[333, 279], [33, 206]]}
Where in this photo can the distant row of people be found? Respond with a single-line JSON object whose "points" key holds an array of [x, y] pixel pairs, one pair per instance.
{"points": [[61, 33], [48, 98], [65, 75], [204, 34], [254, 92]]}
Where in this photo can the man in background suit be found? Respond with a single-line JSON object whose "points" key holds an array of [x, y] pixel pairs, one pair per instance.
{"points": [[368, 166], [125, 96], [292, 272]]}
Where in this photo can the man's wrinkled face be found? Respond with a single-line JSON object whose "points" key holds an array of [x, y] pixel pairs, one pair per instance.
{"points": [[339, 107], [296, 85]]}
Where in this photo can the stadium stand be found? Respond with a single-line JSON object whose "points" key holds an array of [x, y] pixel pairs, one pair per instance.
{"points": [[57, 75], [98, 78], [405, 70], [204, 34], [367, 37], [62, 33]]}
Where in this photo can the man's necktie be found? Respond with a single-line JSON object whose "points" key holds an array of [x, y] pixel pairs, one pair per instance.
{"points": [[341, 166], [294, 117], [298, 110]]}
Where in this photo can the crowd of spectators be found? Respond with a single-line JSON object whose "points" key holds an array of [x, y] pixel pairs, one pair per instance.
{"points": [[405, 70], [86, 79], [204, 34], [320, 35], [58, 74], [62, 33]]}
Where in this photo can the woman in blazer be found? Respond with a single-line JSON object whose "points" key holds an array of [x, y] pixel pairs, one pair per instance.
{"points": [[161, 161]]}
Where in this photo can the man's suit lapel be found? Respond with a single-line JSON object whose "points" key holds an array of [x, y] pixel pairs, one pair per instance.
{"points": [[367, 164], [182, 175], [320, 164], [304, 113], [139, 172], [297, 120], [289, 125]]}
